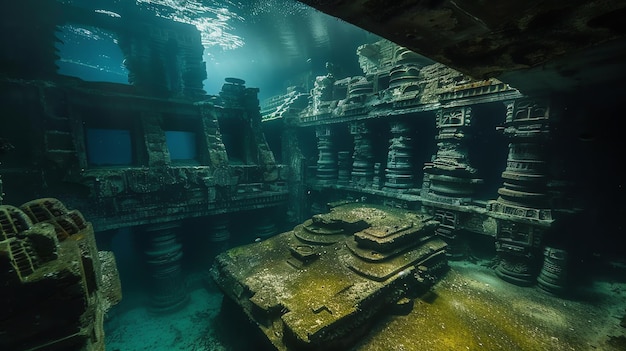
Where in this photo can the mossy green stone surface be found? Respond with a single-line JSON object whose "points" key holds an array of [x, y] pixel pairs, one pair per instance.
{"points": [[315, 292]]}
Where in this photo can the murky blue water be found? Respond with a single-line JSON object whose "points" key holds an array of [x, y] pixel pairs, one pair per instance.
{"points": [[273, 44]]}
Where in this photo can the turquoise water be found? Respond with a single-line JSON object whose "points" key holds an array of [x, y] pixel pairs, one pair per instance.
{"points": [[273, 44]]}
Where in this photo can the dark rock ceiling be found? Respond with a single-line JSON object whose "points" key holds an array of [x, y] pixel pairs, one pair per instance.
{"points": [[533, 45]]}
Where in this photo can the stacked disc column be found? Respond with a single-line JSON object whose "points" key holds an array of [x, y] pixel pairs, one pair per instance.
{"points": [[265, 224], [399, 171], [327, 160], [450, 178], [363, 156], [163, 258], [524, 197], [553, 277], [219, 234]]}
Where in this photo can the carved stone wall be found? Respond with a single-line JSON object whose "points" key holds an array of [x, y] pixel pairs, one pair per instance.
{"points": [[56, 285]]}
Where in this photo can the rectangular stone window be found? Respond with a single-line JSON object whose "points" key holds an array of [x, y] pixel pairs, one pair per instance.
{"points": [[182, 145], [109, 147]]}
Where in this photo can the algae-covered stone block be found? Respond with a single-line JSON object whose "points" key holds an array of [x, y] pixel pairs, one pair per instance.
{"points": [[318, 288]]}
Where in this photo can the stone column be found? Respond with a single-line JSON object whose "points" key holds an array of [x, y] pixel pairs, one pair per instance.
{"points": [[448, 230], [376, 180], [219, 234], [327, 161], [265, 223], [363, 156], [154, 142], [449, 177], [399, 171], [523, 204], [163, 256], [553, 277], [343, 167]]}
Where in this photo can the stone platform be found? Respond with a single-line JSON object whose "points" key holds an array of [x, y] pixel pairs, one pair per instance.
{"points": [[327, 282]]}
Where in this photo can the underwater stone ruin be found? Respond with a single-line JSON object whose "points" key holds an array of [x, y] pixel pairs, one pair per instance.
{"points": [[321, 285], [56, 285], [384, 183]]}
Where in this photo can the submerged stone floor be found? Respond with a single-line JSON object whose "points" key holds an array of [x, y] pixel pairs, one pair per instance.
{"points": [[189, 329], [472, 309], [469, 309]]}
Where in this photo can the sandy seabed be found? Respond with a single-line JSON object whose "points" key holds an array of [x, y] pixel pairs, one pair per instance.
{"points": [[189, 329], [472, 309]]}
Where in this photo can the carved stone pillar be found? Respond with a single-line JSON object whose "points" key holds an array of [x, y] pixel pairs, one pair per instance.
{"points": [[327, 161], [517, 246], [163, 256], [448, 230], [363, 157], [449, 177], [525, 178], [399, 171], [523, 206], [553, 277]]}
